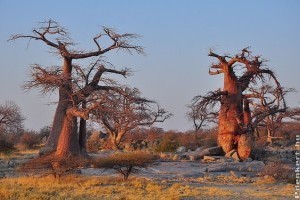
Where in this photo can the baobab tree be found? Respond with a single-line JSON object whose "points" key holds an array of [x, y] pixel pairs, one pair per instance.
{"points": [[120, 113], [235, 126], [64, 138]]}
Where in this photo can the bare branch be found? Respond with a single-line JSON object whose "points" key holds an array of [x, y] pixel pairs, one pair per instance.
{"points": [[215, 72], [220, 58], [49, 27], [119, 41], [47, 80], [56, 36], [123, 111]]}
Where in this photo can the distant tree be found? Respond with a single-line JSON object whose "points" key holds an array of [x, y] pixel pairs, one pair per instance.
{"points": [[45, 131], [202, 115], [29, 139], [236, 124], [72, 104], [11, 118], [119, 114], [268, 99]]}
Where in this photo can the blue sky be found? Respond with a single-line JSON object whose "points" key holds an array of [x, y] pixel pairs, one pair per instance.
{"points": [[176, 35]]}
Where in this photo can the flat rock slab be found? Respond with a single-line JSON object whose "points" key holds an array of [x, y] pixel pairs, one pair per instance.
{"points": [[175, 170], [254, 166]]}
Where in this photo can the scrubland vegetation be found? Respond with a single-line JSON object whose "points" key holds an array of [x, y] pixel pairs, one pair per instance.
{"points": [[243, 137], [78, 187]]}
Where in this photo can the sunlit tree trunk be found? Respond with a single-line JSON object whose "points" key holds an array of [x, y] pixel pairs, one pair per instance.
{"points": [[64, 134], [68, 140], [230, 113]]}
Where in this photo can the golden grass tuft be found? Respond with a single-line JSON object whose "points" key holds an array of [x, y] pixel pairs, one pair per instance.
{"points": [[79, 187], [110, 188], [265, 180], [216, 192]]}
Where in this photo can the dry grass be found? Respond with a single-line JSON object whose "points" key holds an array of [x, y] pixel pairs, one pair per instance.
{"points": [[224, 179], [71, 187], [265, 180], [280, 171], [79, 187], [271, 192], [18, 154]]}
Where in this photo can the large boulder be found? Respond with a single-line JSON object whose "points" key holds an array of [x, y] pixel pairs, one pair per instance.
{"points": [[233, 154], [211, 151]]}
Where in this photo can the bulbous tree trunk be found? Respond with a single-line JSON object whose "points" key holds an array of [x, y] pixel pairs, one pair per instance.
{"points": [[68, 140], [63, 138], [231, 115], [60, 114]]}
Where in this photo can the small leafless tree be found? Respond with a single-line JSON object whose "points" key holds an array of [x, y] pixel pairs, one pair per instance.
{"points": [[125, 163], [121, 113], [268, 100], [202, 113], [11, 118], [72, 104]]}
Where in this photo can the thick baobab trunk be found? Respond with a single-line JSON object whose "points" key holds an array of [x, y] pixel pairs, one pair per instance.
{"points": [[246, 140], [230, 110], [57, 125], [64, 134], [68, 140], [233, 119]]}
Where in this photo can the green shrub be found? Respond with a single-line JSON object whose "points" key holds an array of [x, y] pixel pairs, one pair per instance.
{"points": [[125, 163]]}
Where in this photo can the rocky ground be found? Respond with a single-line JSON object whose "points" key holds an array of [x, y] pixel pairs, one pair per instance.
{"points": [[202, 167]]}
